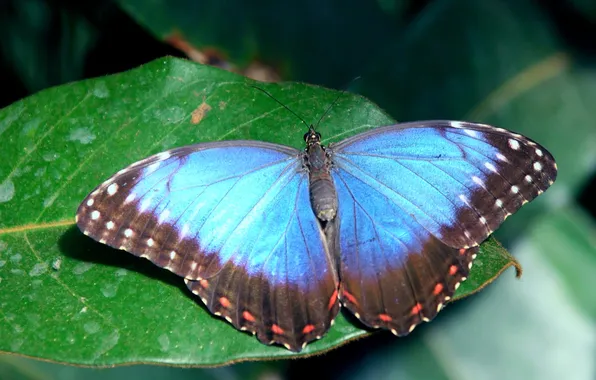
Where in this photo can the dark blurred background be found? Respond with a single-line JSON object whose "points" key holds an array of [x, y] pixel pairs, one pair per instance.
{"points": [[529, 66]]}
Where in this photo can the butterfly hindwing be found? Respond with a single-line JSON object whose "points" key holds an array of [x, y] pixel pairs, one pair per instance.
{"points": [[415, 200], [394, 273], [234, 220]]}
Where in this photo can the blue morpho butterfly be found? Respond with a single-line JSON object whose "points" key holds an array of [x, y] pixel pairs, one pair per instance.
{"points": [[274, 239]]}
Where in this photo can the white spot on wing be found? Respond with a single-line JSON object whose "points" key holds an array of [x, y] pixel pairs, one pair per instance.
{"points": [[514, 189], [457, 124], [153, 167], [150, 242], [95, 215], [528, 179], [112, 189], [173, 255], [90, 202], [478, 181], [471, 133], [539, 153], [490, 167], [128, 232], [131, 197], [537, 166], [110, 225], [163, 155], [499, 203], [501, 157], [513, 144]]}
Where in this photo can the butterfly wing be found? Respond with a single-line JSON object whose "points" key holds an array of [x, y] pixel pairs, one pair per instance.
{"points": [[233, 219], [415, 200]]}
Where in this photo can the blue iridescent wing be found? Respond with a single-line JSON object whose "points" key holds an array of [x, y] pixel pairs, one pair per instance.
{"points": [[234, 219], [415, 200]]}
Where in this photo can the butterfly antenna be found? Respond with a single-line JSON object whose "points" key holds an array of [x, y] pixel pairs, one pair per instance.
{"points": [[342, 93], [281, 104]]}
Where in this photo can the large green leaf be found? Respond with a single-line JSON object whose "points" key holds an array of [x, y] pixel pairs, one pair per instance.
{"points": [[67, 298]]}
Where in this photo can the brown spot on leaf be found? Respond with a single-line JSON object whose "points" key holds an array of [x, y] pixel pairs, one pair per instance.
{"points": [[199, 113], [213, 56]]}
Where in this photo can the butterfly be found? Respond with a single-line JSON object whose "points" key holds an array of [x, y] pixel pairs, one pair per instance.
{"points": [[275, 240]]}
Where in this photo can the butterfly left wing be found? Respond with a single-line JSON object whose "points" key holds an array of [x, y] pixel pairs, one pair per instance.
{"points": [[415, 200], [233, 219]]}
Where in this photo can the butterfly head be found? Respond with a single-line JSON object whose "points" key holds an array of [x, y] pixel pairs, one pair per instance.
{"points": [[312, 137]]}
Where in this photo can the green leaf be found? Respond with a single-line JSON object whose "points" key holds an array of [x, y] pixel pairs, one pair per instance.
{"points": [[66, 298]]}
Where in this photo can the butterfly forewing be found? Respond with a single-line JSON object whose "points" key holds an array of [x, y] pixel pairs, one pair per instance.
{"points": [[459, 180]]}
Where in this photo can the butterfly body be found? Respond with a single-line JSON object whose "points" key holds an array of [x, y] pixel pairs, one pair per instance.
{"points": [[323, 196], [385, 223]]}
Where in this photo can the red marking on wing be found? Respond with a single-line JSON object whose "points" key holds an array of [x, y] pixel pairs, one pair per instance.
{"points": [[349, 297], [332, 300], [277, 330], [438, 289], [416, 309], [308, 329], [248, 316], [225, 302], [204, 284], [452, 270], [385, 317], [462, 251]]}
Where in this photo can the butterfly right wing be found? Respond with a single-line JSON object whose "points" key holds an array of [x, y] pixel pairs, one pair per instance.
{"points": [[233, 219]]}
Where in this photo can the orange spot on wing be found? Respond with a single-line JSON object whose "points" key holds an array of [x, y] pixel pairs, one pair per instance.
{"points": [[349, 297], [452, 270], [308, 329], [225, 302], [248, 316], [416, 309], [438, 289], [462, 251], [385, 317], [277, 330], [332, 300], [204, 284]]}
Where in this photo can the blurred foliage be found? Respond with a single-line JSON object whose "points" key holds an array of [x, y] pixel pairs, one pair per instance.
{"points": [[522, 64]]}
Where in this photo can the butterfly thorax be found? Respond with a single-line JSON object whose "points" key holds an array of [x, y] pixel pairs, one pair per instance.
{"points": [[323, 196]]}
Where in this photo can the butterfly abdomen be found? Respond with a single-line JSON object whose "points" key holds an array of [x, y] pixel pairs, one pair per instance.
{"points": [[323, 195]]}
